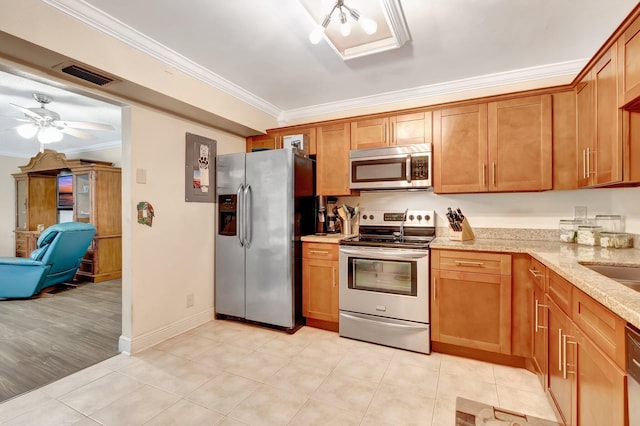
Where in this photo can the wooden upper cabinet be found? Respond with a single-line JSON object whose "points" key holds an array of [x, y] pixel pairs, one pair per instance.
{"points": [[332, 159], [268, 141], [370, 133], [585, 114], [520, 144], [608, 121], [460, 149], [628, 46], [600, 125], [564, 140], [407, 129], [401, 129]]}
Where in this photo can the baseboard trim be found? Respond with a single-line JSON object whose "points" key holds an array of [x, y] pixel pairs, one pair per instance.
{"points": [[137, 344]]}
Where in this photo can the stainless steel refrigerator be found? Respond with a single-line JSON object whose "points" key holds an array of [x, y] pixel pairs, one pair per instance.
{"points": [[265, 204]]}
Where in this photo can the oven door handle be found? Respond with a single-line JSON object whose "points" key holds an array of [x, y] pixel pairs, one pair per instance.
{"points": [[391, 254], [385, 323]]}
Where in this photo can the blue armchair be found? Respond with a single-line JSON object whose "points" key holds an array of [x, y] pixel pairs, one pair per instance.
{"points": [[56, 260]]}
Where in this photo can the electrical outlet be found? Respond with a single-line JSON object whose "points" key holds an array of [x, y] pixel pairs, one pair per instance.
{"points": [[189, 300]]}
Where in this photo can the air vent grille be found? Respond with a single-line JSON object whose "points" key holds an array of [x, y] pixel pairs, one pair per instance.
{"points": [[87, 75]]}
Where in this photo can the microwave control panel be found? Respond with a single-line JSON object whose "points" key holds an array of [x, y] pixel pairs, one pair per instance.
{"points": [[420, 167]]}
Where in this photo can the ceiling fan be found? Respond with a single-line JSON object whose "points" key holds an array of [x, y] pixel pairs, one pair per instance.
{"points": [[48, 127]]}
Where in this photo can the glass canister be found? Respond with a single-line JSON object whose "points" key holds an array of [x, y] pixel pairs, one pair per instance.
{"points": [[610, 222], [568, 229], [588, 235], [615, 240]]}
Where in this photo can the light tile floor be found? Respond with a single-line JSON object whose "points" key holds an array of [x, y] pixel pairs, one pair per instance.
{"points": [[229, 373]]}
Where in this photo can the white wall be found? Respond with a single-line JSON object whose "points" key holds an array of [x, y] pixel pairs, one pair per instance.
{"points": [[174, 258], [113, 155], [8, 165], [540, 210]]}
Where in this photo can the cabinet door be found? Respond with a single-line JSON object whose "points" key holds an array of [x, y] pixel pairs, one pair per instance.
{"points": [[585, 116], [82, 198], [565, 157], [608, 121], [562, 362], [540, 335], [601, 387], [472, 310], [520, 144], [320, 289], [268, 141], [628, 69], [370, 133], [407, 129], [332, 160], [460, 149]]}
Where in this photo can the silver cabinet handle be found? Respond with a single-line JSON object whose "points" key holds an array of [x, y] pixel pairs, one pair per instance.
{"points": [[493, 175], [538, 326], [559, 349], [333, 275], [434, 288], [468, 263], [584, 163], [535, 273], [484, 175], [566, 342], [319, 251], [385, 132]]}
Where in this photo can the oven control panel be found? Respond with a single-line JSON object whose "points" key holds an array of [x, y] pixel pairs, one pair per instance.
{"points": [[394, 218]]}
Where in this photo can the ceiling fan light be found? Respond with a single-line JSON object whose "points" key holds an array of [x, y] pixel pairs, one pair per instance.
{"points": [[27, 131], [49, 135], [368, 25]]}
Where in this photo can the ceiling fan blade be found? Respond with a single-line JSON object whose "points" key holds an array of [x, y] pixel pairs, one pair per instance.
{"points": [[78, 133], [27, 111], [25, 120], [83, 125]]}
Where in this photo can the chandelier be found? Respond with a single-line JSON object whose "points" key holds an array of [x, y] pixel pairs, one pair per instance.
{"points": [[368, 25]]}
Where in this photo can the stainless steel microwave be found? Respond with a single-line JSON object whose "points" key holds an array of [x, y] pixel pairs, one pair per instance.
{"points": [[397, 167]]}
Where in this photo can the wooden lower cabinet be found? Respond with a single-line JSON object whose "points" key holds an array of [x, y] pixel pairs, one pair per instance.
{"points": [[600, 386], [562, 363], [320, 285], [470, 309], [540, 322]]}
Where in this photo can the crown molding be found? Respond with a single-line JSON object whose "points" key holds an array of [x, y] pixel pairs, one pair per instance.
{"points": [[94, 147], [97, 19], [562, 69], [88, 14]]}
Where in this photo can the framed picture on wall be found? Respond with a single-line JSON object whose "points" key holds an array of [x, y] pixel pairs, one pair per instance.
{"points": [[200, 173]]}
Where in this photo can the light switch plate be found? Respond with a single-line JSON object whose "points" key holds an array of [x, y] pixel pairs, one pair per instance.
{"points": [[141, 175]]}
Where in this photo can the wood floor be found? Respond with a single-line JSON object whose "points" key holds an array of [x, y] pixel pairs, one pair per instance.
{"points": [[52, 336]]}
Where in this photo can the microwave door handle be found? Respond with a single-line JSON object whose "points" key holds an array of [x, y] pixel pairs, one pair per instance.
{"points": [[407, 172]]}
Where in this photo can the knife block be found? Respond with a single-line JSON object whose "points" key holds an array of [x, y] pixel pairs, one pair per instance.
{"points": [[465, 235]]}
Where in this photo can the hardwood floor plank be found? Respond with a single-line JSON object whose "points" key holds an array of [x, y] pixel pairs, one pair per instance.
{"points": [[57, 334]]}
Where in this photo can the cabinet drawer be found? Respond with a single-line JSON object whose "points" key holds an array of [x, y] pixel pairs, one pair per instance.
{"points": [[326, 251], [470, 261], [601, 325], [560, 291], [538, 274]]}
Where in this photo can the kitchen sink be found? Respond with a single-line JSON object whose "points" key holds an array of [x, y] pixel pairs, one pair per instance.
{"points": [[625, 275]]}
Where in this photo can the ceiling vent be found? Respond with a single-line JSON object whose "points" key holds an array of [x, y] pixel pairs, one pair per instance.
{"points": [[85, 73]]}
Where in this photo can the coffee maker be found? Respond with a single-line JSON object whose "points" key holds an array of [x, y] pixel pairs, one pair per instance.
{"points": [[321, 215]]}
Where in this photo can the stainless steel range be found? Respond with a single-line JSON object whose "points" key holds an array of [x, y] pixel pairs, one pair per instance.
{"points": [[384, 279]]}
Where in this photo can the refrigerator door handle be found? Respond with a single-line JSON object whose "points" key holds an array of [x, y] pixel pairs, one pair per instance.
{"points": [[240, 215], [246, 216]]}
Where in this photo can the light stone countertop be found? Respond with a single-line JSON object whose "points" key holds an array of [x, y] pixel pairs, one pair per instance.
{"points": [[329, 238], [565, 260]]}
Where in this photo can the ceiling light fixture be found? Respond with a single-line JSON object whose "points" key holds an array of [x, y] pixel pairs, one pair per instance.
{"points": [[368, 25]]}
